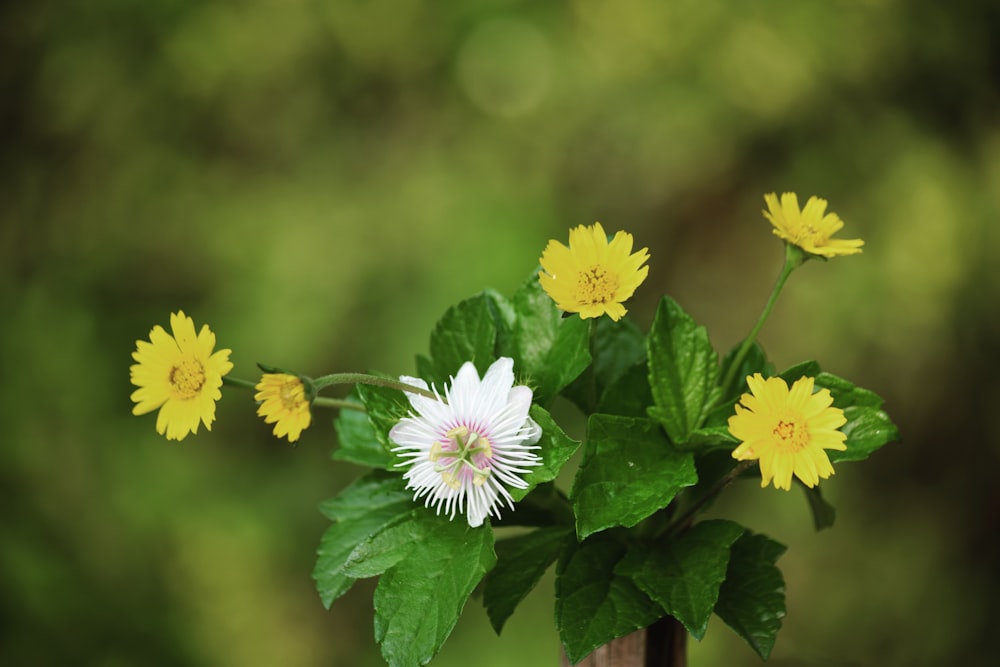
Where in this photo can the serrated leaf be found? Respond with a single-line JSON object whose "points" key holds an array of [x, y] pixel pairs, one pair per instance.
{"points": [[629, 470], [418, 601], [752, 598], [555, 449], [823, 513], [361, 510], [385, 408], [466, 332], [357, 440], [593, 604], [521, 562], [683, 574], [549, 351], [385, 547], [683, 371]]}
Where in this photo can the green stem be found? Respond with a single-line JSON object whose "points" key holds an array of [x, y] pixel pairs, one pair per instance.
{"points": [[237, 382], [794, 256], [681, 522], [364, 378], [592, 373], [341, 404]]}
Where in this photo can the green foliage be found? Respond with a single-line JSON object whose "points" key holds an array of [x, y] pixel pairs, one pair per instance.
{"points": [[752, 598], [629, 471], [593, 604], [549, 350], [683, 574], [419, 599], [628, 546], [360, 511], [555, 449], [521, 562], [683, 370], [466, 332], [358, 441]]}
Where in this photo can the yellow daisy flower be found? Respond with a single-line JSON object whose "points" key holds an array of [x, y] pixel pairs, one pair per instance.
{"points": [[180, 376], [592, 277], [283, 402], [787, 430], [810, 229]]}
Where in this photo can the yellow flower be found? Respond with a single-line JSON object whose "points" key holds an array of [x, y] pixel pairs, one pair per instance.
{"points": [[592, 277], [283, 400], [180, 375], [809, 229], [787, 430]]}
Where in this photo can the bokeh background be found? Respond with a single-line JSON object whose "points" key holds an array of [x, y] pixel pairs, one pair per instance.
{"points": [[319, 180]]}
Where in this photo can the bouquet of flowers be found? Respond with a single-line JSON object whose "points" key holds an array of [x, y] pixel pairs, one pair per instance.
{"points": [[469, 470]]}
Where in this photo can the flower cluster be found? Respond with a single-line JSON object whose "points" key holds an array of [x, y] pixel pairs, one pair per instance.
{"points": [[464, 451]]}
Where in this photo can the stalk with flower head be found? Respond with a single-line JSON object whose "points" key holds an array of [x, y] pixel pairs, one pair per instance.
{"points": [[466, 447]]}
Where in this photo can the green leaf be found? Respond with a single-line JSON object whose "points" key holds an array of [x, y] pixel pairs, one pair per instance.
{"points": [[418, 600], [385, 547], [521, 562], [629, 395], [593, 604], [683, 574], [360, 511], [823, 512], [466, 332], [619, 350], [752, 598], [629, 471], [549, 351], [868, 428], [357, 440], [556, 448], [683, 371], [385, 408], [711, 436]]}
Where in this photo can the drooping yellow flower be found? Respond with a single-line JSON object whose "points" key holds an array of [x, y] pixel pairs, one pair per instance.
{"points": [[811, 228], [592, 277], [787, 430], [283, 403], [180, 375]]}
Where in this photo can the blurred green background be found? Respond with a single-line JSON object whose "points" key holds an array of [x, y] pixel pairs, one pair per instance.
{"points": [[320, 180]]}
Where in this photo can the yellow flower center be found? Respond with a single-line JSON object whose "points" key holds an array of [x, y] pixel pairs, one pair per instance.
{"points": [[596, 285], [792, 435], [290, 394], [458, 451], [187, 378]]}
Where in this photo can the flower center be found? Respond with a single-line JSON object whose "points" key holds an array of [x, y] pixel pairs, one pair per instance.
{"points": [[290, 395], [464, 451], [809, 234], [187, 378], [596, 285], [792, 434]]}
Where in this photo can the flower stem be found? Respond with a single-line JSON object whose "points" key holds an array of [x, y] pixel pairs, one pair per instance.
{"points": [[323, 402], [794, 257], [364, 378], [237, 382]]}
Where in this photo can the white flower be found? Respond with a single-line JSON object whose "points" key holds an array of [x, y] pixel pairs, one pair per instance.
{"points": [[465, 451]]}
